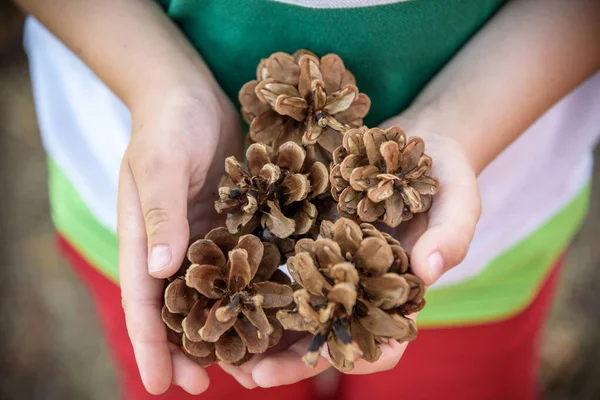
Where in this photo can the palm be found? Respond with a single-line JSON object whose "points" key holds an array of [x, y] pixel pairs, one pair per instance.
{"points": [[207, 170]]}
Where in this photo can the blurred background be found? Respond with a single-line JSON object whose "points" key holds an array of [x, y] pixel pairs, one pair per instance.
{"points": [[51, 346]]}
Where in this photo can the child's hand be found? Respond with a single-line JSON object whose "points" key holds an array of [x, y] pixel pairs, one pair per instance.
{"points": [[437, 241], [169, 174]]}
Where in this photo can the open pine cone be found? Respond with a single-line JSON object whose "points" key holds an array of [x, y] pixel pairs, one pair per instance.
{"points": [[273, 190], [379, 175], [218, 307], [305, 99], [357, 291]]}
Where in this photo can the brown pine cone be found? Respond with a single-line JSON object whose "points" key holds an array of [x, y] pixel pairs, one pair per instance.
{"points": [[381, 176], [274, 191], [217, 309], [304, 99], [357, 291]]}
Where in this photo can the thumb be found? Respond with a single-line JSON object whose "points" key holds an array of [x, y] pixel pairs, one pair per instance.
{"points": [[163, 186], [452, 221]]}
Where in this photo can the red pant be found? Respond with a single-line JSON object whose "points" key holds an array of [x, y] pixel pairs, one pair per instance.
{"points": [[487, 361]]}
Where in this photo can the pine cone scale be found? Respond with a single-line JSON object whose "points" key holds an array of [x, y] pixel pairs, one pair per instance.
{"points": [[213, 328], [206, 279], [179, 299], [365, 341], [195, 320], [258, 318], [253, 107], [172, 320], [230, 348], [281, 67], [293, 321], [302, 268], [274, 295], [249, 336], [343, 355], [380, 323], [268, 127], [198, 349], [271, 259], [202, 361]]}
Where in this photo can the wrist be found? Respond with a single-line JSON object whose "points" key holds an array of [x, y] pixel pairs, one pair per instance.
{"points": [[194, 92], [433, 117], [156, 87]]}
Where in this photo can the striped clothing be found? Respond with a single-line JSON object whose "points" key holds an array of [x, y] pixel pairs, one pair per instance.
{"points": [[534, 194]]}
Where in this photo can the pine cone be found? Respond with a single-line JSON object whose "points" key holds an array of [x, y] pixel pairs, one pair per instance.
{"points": [[357, 291], [218, 308], [303, 99], [381, 176], [275, 191]]}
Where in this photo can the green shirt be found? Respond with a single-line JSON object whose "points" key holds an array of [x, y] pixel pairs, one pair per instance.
{"points": [[393, 50]]}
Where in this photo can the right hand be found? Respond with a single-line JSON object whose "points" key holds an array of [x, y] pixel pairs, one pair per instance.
{"points": [[169, 176]]}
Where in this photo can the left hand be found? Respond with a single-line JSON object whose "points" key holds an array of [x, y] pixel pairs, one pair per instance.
{"points": [[437, 240]]}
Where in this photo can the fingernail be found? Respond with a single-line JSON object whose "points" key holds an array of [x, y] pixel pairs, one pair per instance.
{"points": [[436, 266], [261, 378], [160, 258]]}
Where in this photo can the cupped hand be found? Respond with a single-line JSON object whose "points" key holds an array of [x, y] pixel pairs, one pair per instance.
{"points": [[437, 241], [169, 176]]}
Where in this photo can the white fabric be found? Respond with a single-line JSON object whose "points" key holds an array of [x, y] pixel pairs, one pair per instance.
{"points": [[84, 126], [339, 3], [85, 129], [534, 178]]}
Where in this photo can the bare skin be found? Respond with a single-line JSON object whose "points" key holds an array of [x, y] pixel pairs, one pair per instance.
{"points": [[530, 55]]}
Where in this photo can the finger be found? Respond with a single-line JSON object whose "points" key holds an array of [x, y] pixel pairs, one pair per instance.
{"points": [[163, 182], [409, 232], [286, 367], [243, 373], [186, 373], [245, 379], [390, 356], [391, 353], [452, 221], [140, 292]]}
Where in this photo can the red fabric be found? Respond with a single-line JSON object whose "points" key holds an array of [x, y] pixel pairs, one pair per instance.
{"points": [[107, 298], [487, 361], [483, 362]]}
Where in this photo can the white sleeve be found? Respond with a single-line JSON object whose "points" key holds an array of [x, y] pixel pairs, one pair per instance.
{"points": [[85, 128]]}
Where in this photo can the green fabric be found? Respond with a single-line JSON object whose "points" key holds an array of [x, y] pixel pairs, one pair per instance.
{"points": [[393, 50], [163, 3], [504, 287], [510, 281], [96, 243]]}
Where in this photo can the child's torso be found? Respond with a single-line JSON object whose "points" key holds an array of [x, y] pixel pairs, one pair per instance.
{"points": [[393, 49]]}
